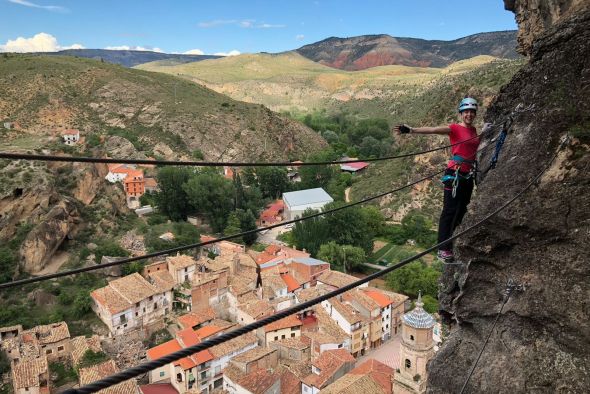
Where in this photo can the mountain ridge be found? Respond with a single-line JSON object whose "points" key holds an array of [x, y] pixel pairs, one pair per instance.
{"points": [[366, 51]]}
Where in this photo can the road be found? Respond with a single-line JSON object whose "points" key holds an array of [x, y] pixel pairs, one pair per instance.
{"points": [[375, 266], [270, 237]]}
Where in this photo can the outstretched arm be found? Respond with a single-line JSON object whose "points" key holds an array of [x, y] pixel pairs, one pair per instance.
{"points": [[443, 130]]}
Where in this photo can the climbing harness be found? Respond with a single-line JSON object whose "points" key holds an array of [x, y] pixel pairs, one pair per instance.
{"points": [[458, 175]]}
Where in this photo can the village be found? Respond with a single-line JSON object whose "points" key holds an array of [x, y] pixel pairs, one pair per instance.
{"points": [[365, 339]]}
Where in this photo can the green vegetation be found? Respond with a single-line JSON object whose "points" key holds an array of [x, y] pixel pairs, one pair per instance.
{"points": [[346, 227], [415, 276], [4, 363], [63, 372], [91, 358], [109, 247], [159, 337], [184, 234], [9, 252], [345, 258], [73, 304]]}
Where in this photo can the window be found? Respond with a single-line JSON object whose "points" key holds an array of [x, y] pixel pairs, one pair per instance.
{"points": [[155, 305], [408, 363], [339, 346], [292, 335], [151, 298], [137, 305], [162, 373], [185, 269], [60, 348], [283, 336], [48, 351], [276, 338], [136, 313], [411, 337]]}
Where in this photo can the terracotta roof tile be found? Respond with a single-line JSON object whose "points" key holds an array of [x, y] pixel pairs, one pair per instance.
{"points": [[257, 309], [291, 282], [193, 319], [99, 371], [379, 372], [259, 381], [162, 280], [253, 354], [354, 384], [336, 279], [49, 333], [292, 343], [163, 349], [123, 293], [234, 345], [26, 373], [80, 345], [328, 363], [287, 322], [208, 331], [379, 297], [179, 262]]}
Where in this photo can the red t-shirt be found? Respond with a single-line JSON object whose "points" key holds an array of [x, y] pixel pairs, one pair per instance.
{"points": [[467, 150]]}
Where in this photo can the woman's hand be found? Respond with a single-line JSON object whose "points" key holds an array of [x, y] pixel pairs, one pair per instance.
{"points": [[402, 129]]}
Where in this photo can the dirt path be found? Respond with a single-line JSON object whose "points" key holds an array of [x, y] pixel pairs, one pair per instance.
{"points": [[58, 259], [347, 194]]}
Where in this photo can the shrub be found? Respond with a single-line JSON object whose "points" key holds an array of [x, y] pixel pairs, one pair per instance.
{"points": [[91, 358]]}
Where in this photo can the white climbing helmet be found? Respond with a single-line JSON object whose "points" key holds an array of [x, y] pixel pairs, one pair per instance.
{"points": [[468, 103]]}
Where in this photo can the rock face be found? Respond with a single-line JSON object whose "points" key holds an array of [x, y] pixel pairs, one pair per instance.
{"points": [[536, 16], [42, 242], [541, 342]]}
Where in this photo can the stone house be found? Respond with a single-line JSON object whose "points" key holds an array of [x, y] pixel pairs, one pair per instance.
{"points": [[326, 369], [288, 327], [31, 376], [71, 136], [355, 325], [131, 302]]}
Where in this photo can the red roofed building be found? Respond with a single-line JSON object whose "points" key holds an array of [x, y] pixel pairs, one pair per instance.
{"points": [[288, 327], [379, 372], [188, 372], [327, 368], [196, 320], [291, 282], [71, 137], [272, 214], [354, 167], [134, 184]]}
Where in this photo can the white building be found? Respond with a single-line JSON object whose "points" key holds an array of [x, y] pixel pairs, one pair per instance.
{"points": [[297, 202], [131, 302], [71, 137]]}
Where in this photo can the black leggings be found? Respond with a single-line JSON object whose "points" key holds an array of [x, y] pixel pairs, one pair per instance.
{"points": [[453, 208]]}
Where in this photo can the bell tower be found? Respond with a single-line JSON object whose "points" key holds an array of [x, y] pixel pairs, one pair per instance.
{"points": [[417, 348]]}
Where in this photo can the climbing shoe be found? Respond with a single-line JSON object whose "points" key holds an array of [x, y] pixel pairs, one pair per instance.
{"points": [[445, 255]]}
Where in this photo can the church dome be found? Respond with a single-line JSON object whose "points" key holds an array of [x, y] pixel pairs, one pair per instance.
{"points": [[418, 317]]}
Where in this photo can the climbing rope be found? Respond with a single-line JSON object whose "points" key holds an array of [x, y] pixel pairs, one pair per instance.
{"points": [[151, 365]]}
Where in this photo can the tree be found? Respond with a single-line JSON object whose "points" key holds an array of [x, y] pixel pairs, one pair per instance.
{"points": [[172, 199], [273, 181], [311, 234], [82, 305], [413, 277], [430, 303], [318, 176], [211, 195], [247, 223], [7, 264], [345, 258], [233, 227], [110, 248], [374, 219], [349, 227], [417, 227]]}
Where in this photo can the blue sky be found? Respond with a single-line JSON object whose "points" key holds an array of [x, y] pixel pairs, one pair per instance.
{"points": [[223, 26]]}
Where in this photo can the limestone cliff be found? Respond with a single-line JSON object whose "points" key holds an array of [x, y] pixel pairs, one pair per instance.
{"points": [[541, 342]]}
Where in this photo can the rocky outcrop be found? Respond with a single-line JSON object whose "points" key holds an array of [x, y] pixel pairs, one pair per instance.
{"points": [[90, 179], [534, 17], [541, 341], [42, 242]]}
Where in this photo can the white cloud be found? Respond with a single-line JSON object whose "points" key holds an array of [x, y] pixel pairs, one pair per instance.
{"points": [[41, 42], [230, 53], [133, 48], [217, 22], [54, 8], [299, 37], [244, 23], [194, 52]]}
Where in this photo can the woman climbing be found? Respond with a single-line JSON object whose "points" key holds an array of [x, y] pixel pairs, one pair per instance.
{"points": [[459, 176]]}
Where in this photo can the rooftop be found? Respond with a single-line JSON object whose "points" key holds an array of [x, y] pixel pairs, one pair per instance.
{"points": [[292, 343], [418, 317], [180, 261], [379, 297], [346, 311], [162, 280], [80, 345], [354, 384], [291, 282], [158, 388], [49, 333], [253, 355], [328, 363], [234, 345], [379, 372], [123, 293], [193, 319], [321, 338], [208, 331], [286, 322], [70, 132], [305, 197], [336, 279], [27, 373], [102, 370], [309, 261], [257, 309], [259, 381]]}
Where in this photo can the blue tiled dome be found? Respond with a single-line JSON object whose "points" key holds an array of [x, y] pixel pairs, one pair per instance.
{"points": [[418, 317]]}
